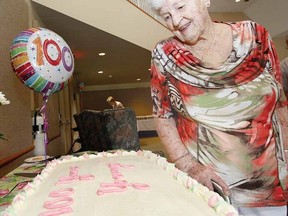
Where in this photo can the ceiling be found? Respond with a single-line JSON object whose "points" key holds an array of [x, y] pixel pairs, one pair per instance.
{"points": [[124, 62]]}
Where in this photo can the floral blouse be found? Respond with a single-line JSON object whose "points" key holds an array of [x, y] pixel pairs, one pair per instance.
{"points": [[231, 118]]}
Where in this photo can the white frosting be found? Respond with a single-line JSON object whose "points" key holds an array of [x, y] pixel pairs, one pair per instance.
{"points": [[147, 185]]}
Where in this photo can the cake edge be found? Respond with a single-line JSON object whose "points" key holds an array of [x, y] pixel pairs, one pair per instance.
{"points": [[213, 200]]}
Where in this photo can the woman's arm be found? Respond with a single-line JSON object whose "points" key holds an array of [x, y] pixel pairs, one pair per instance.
{"points": [[179, 154]]}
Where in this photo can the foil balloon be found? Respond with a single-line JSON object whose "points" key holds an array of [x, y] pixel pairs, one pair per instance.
{"points": [[42, 60]]}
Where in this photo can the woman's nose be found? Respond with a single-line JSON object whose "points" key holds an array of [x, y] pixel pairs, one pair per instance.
{"points": [[176, 19]]}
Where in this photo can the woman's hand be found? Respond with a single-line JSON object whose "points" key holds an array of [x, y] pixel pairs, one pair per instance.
{"points": [[205, 176], [178, 154]]}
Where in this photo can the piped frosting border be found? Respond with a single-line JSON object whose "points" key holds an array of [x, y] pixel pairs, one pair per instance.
{"points": [[214, 200]]}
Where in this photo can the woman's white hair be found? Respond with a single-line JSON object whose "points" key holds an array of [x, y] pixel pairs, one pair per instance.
{"points": [[156, 5]]}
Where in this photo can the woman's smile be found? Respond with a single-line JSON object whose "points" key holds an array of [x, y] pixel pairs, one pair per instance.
{"points": [[184, 27]]}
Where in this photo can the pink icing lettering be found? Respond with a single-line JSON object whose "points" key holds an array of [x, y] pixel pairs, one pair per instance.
{"points": [[67, 179], [120, 181], [112, 190], [119, 184], [73, 176], [58, 203], [113, 165], [117, 166], [140, 186], [87, 177], [74, 170], [62, 192], [57, 212], [116, 175]]}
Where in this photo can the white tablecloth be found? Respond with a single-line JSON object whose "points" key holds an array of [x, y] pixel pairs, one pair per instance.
{"points": [[146, 123]]}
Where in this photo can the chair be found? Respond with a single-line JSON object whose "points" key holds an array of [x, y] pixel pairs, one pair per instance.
{"points": [[108, 130], [120, 126], [89, 126]]}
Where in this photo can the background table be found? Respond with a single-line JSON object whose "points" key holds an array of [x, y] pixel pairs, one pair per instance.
{"points": [[10, 180]]}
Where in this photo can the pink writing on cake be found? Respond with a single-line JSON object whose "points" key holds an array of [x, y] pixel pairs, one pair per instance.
{"points": [[62, 200], [61, 204], [62, 192], [57, 212], [74, 176], [119, 184]]}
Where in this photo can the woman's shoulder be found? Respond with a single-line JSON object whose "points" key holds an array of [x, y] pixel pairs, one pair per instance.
{"points": [[173, 40], [246, 24]]}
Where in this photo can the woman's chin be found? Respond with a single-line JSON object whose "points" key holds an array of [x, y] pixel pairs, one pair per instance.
{"points": [[189, 41], [186, 39]]}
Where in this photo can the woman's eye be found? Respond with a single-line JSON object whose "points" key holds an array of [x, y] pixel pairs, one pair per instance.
{"points": [[166, 17], [180, 7]]}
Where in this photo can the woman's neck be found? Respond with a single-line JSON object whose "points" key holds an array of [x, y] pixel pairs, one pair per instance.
{"points": [[214, 46], [204, 43]]}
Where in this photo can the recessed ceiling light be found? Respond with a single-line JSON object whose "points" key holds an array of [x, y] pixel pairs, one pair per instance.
{"points": [[110, 76], [102, 54], [149, 69], [138, 79], [100, 72], [237, 0]]}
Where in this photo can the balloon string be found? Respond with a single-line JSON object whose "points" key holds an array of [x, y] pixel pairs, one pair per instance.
{"points": [[44, 114]]}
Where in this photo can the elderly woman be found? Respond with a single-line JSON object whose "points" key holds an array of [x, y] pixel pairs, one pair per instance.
{"points": [[219, 105]]}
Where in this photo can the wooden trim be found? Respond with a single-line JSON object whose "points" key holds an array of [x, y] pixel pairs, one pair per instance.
{"points": [[15, 156]]}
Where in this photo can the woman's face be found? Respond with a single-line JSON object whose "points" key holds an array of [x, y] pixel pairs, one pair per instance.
{"points": [[185, 18]]}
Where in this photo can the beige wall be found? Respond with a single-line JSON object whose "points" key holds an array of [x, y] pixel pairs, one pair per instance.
{"points": [[229, 17], [15, 118], [281, 49]]}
